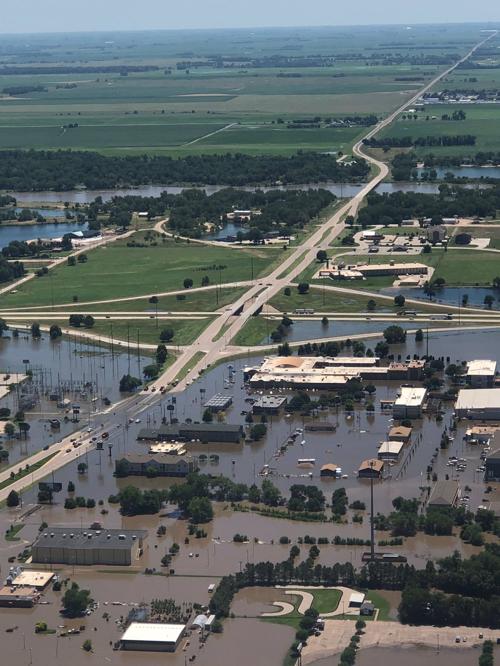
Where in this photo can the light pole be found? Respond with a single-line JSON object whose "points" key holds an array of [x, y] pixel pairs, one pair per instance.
{"points": [[372, 526]]}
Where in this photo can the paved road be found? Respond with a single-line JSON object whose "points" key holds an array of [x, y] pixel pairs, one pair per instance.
{"points": [[295, 261]]}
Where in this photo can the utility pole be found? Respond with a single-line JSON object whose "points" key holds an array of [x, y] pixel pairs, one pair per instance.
{"points": [[372, 525]]}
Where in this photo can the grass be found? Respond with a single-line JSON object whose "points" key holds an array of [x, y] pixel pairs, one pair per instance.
{"points": [[254, 332], [196, 358], [117, 271], [326, 601], [12, 532], [325, 301], [26, 471]]}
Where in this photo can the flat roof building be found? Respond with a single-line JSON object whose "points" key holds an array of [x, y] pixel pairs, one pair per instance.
{"points": [[330, 470], [188, 432], [152, 637], [67, 545], [480, 404], [13, 597], [400, 434], [269, 404], [219, 402], [33, 579], [410, 402], [155, 464], [492, 464], [481, 373], [444, 494], [390, 450]]}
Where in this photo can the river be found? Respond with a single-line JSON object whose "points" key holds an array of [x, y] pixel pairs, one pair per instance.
{"points": [[26, 232]]}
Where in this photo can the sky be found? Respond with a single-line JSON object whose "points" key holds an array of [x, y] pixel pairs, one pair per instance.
{"points": [[88, 15]]}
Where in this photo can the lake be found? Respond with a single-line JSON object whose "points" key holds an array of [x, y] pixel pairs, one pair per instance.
{"points": [[25, 232], [475, 172]]}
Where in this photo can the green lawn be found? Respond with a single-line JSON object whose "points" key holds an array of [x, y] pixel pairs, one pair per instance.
{"points": [[325, 300], [254, 332], [24, 471], [115, 271], [189, 365], [12, 532]]}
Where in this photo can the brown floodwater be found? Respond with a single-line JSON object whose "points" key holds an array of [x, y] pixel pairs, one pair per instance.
{"points": [[411, 656]]}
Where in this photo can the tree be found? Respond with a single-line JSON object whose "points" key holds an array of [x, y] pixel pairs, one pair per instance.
{"points": [[271, 496], [258, 431], [303, 288], [71, 487], [24, 428], [188, 283], [200, 510], [161, 354], [321, 256], [35, 330], [167, 334], [82, 468], [254, 494], [394, 334], [284, 349], [82, 258], [76, 320], [324, 321], [371, 305], [55, 332], [10, 429], [13, 499], [488, 300], [287, 291], [75, 601], [71, 261], [151, 371], [208, 417], [128, 383], [399, 300], [419, 335], [87, 645], [88, 321], [4, 413]]}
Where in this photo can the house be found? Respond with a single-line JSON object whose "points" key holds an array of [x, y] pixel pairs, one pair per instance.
{"points": [[444, 494], [371, 469]]}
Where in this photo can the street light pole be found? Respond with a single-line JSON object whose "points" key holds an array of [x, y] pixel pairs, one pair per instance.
{"points": [[372, 526]]}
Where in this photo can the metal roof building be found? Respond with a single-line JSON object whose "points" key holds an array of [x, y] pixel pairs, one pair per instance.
{"points": [[478, 404], [152, 637], [218, 402], [390, 450], [410, 402], [481, 373], [444, 494]]}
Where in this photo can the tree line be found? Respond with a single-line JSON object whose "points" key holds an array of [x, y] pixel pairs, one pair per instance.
{"points": [[421, 141], [33, 170]]}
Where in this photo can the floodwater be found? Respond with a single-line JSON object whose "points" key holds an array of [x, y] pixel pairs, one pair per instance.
{"points": [[80, 372], [26, 232], [46, 212], [450, 295], [465, 171]]}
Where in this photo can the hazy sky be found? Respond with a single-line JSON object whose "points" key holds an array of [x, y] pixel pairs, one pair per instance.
{"points": [[82, 15]]}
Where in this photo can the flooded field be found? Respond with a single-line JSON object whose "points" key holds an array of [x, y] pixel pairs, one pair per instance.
{"points": [[450, 295], [411, 656]]}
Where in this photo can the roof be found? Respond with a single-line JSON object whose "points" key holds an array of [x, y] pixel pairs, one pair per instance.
{"points": [[478, 399], [494, 455], [399, 431], [444, 493], [219, 400], [411, 396], [391, 447], [481, 367], [372, 463], [270, 401], [153, 632], [33, 578], [69, 537], [156, 458], [329, 467], [356, 598]]}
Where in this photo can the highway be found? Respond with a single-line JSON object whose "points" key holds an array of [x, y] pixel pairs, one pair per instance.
{"points": [[256, 296]]}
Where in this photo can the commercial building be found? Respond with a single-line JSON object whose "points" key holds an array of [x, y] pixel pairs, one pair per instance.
{"points": [[492, 464], [269, 404], [480, 404], [481, 374], [410, 403], [152, 637], [66, 545], [219, 402], [436, 234], [390, 450], [37, 580], [330, 471], [12, 597], [480, 434], [155, 464], [371, 469], [192, 432], [356, 599], [306, 372], [170, 448], [376, 270], [444, 494]]}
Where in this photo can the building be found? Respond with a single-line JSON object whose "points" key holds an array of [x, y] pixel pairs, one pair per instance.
{"points": [[12, 597], [37, 580], [367, 608], [400, 434], [269, 404], [330, 471], [436, 234], [444, 494], [371, 469], [481, 374], [480, 404], [155, 464], [480, 434], [170, 448], [356, 599], [410, 402], [152, 637], [492, 465], [66, 545], [390, 450], [219, 402], [193, 432]]}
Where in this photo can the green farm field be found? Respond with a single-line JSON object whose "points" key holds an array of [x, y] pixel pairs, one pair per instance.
{"points": [[118, 271]]}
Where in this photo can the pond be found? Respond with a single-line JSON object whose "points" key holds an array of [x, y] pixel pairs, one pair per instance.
{"points": [[475, 172]]}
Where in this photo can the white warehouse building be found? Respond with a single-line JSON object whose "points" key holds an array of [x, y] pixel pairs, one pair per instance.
{"points": [[481, 373], [480, 404], [410, 402]]}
